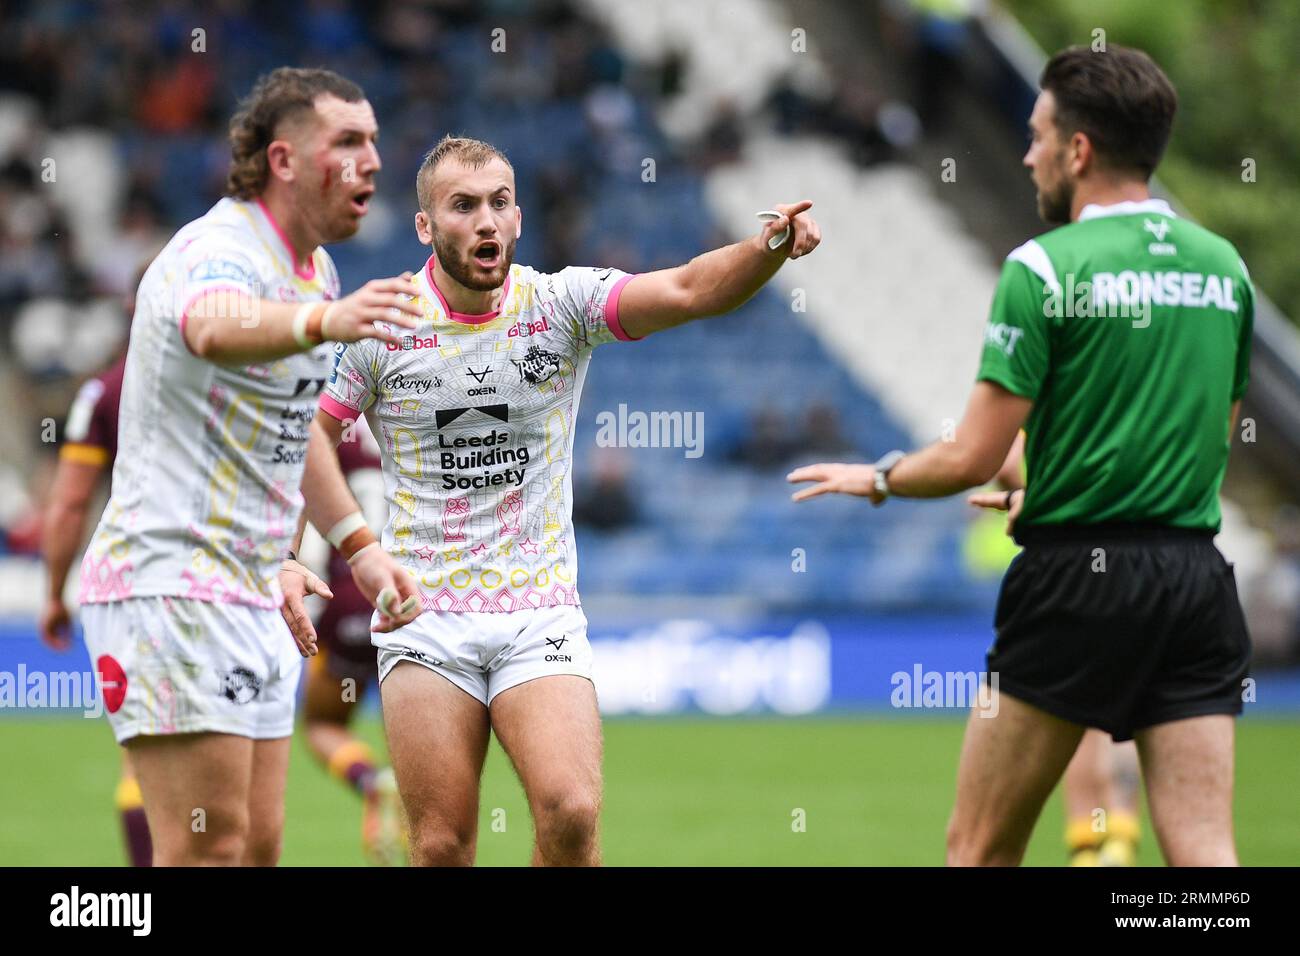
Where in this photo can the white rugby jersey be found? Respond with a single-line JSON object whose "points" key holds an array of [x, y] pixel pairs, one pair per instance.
{"points": [[205, 497], [475, 418]]}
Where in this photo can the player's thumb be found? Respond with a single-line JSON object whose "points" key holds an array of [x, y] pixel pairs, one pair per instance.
{"points": [[412, 602]]}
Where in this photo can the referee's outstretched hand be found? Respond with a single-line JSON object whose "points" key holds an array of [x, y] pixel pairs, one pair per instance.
{"points": [[837, 478]]}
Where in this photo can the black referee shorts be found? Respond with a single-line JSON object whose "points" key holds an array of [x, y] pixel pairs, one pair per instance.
{"points": [[1120, 627]]}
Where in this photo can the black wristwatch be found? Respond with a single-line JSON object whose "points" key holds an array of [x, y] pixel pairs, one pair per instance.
{"points": [[883, 468]]}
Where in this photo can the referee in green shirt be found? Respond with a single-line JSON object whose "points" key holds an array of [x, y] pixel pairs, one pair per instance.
{"points": [[1120, 342]]}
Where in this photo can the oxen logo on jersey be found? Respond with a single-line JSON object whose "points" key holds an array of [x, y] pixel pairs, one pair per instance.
{"points": [[1158, 229], [558, 643], [537, 365], [239, 685], [479, 376]]}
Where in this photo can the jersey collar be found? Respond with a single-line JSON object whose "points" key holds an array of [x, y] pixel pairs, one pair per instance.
{"points": [[463, 317], [1126, 208]]}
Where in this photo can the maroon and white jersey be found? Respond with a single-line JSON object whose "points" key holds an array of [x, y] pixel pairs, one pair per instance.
{"points": [[475, 418], [90, 434]]}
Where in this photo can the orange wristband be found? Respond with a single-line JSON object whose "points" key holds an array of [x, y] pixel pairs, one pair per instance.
{"points": [[361, 538], [313, 329]]}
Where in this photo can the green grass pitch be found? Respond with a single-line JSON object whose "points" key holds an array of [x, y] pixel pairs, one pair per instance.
{"points": [[678, 792]]}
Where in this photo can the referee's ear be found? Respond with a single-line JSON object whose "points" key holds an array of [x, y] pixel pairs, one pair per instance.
{"points": [[1083, 156]]}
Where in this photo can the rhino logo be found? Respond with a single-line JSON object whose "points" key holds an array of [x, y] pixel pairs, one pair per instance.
{"points": [[537, 365]]}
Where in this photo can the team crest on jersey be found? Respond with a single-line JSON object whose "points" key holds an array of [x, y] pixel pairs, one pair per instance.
{"points": [[537, 365]]}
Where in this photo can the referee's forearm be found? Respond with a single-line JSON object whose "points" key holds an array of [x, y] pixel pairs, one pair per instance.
{"points": [[942, 469]]}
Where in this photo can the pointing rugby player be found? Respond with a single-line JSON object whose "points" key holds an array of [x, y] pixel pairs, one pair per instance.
{"points": [[474, 410]]}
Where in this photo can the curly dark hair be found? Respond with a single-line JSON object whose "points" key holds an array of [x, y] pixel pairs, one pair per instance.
{"points": [[276, 96]]}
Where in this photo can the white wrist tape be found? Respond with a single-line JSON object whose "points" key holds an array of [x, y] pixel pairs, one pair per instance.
{"points": [[361, 551], [300, 324], [344, 527]]}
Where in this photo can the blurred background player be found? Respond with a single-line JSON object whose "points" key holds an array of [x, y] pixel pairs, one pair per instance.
{"points": [[345, 667], [1102, 783], [85, 459]]}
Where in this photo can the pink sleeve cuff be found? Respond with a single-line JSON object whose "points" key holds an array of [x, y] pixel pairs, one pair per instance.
{"points": [[335, 409], [611, 311]]}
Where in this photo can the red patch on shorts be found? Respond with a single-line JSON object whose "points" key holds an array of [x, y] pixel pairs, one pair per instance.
{"points": [[112, 682]]}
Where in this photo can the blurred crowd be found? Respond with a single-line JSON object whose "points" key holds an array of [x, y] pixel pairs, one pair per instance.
{"points": [[113, 133]]}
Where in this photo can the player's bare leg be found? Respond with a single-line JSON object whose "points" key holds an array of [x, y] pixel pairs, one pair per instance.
{"points": [[135, 825], [266, 802], [1009, 764], [196, 796], [550, 729], [1188, 768], [327, 711], [437, 739], [1101, 819]]}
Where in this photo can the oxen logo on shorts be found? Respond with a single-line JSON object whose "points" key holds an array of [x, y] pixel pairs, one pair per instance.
{"points": [[112, 682], [239, 685]]}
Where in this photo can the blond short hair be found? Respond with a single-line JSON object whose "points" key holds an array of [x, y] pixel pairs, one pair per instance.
{"points": [[473, 153]]}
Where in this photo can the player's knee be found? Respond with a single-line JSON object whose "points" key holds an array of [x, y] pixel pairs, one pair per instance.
{"points": [[223, 848], [262, 848], [969, 845], [1210, 853], [567, 819], [441, 846]]}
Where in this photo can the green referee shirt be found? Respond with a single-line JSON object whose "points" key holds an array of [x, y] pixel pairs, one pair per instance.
{"points": [[1130, 331]]}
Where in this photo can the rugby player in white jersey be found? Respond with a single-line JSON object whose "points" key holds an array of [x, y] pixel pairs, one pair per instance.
{"points": [[179, 590], [474, 410]]}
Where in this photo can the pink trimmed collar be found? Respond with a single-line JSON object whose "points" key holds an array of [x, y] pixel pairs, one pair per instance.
{"points": [[302, 272], [464, 317]]}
